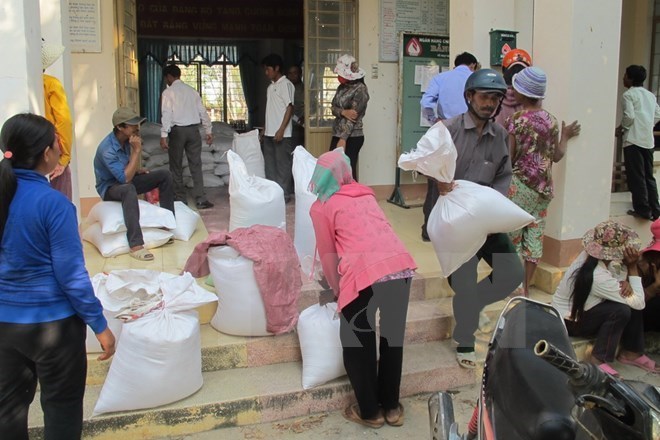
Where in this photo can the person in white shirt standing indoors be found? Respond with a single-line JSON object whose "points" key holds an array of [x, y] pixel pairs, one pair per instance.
{"points": [[182, 113], [640, 113]]}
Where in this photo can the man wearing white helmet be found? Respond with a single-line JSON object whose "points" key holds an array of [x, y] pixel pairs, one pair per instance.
{"points": [[483, 158]]}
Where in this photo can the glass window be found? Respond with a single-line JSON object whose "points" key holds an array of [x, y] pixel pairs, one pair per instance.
{"points": [[219, 85], [332, 27]]}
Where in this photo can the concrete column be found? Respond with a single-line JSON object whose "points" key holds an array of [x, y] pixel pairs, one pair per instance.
{"points": [[21, 87], [576, 42], [55, 30]]}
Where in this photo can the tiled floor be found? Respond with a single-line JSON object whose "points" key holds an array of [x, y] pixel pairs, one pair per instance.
{"points": [[406, 223], [172, 258]]}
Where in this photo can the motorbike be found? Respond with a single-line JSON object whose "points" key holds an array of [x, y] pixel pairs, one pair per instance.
{"points": [[533, 388]]}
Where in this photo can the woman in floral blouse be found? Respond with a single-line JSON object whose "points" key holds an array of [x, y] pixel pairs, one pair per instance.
{"points": [[534, 144], [349, 106]]}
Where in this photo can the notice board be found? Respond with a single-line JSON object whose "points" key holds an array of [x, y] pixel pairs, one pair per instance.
{"points": [[422, 16], [422, 57]]}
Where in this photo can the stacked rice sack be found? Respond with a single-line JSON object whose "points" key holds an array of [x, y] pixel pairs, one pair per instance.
{"points": [[215, 170], [105, 228]]}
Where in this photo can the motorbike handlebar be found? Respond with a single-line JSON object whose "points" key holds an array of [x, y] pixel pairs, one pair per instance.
{"points": [[584, 377]]}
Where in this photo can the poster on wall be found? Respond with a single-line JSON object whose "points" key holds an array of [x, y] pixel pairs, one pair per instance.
{"points": [[85, 25], [422, 16]]}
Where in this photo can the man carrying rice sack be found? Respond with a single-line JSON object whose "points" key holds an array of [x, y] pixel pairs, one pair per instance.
{"points": [[483, 158]]}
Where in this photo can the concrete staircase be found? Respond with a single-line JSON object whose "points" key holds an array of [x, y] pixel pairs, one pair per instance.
{"points": [[254, 380]]}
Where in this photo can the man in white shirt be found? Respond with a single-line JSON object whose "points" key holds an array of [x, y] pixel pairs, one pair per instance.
{"points": [[182, 112], [277, 146], [640, 113]]}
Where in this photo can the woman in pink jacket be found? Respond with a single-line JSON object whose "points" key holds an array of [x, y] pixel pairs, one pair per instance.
{"points": [[368, 268]]}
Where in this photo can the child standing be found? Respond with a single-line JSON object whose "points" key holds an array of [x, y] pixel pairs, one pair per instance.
{"points": [[534, 144]]}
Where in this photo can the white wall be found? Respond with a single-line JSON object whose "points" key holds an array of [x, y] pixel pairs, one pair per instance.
{"points": [[21, 86], [378, 155], [94, 99], [577, 44]]}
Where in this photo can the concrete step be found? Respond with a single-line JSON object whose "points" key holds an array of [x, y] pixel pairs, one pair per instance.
{"points": [[428, 320], [259, 394]]}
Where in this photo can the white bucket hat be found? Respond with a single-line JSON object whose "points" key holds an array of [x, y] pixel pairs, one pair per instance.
{"points": [[347, 67], [50, 53]]}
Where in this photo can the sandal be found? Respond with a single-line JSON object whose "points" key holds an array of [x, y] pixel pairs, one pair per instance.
{"points": [[352, 413], [394, 419], [142, 254], [609, 370], [467, 360], [643, 362]]}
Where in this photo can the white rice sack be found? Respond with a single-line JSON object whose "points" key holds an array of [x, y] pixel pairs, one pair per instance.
{"points": [[150, 134], [434, 156], [461, 220], [115, 325], [210, 181], [221, 169], [222, 129], [111, 217], [111, 245], [304, 238], [156, 160], [253, 200], [320, 344], [220, 156], [186, 221], [207, 167], [247, 146], [159, 359], [241, 310]]}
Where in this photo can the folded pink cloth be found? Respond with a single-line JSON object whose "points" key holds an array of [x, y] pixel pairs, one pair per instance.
{"points": [[276, 269]]}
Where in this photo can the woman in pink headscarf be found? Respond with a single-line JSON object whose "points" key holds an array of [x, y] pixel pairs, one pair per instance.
{"points": [[368, 269]]}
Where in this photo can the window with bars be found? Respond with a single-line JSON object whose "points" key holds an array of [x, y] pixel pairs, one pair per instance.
{"points": [[331, 32], [219, 85]]}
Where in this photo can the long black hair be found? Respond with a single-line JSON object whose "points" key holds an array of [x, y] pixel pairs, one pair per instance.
{"points": [[583, 280], [24, 137]]}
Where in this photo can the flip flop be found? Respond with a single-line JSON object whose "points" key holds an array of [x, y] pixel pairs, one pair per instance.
{"points": [[643, 362], [352, 413], [396, 420], [467, 360], [142, 254], [609, 370]]}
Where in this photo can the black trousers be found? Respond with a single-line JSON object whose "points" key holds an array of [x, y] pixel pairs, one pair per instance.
{"points": [[186, 139], [376, 382], [652, 315], [611, 323], [641, 182], [54, 353], [432, 195], [352, 150], [471, 296], [127, 193]]}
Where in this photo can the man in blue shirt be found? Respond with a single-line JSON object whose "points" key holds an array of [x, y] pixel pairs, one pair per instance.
{"points": [[443, 98], [119, 178]]}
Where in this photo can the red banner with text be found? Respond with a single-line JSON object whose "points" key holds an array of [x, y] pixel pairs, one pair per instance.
{"points": [[220, 19]]}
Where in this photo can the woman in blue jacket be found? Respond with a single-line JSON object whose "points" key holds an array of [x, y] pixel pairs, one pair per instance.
{"points": [[46, 296]]}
